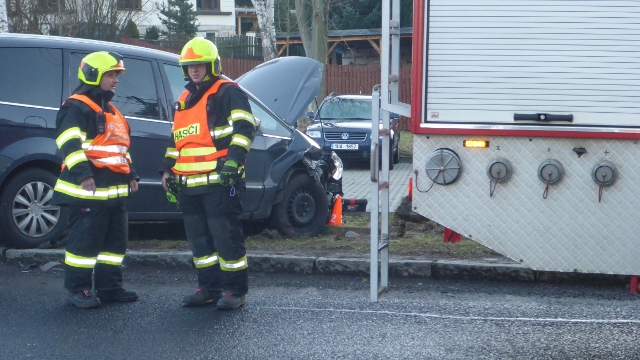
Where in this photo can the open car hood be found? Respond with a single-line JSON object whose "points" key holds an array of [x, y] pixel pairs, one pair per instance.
{"points": [[286, 85]]}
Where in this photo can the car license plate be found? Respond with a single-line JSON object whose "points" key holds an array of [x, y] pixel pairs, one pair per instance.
{"points": [[344, 146]]}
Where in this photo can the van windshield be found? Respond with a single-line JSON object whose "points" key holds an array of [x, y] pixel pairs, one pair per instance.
{"points": [[345, 110]]}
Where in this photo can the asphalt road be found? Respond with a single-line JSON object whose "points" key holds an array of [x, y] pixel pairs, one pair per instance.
{"points": [[319, 317]]}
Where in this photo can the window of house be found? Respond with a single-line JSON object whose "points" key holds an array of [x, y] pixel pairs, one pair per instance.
{"points": [[51, 5], [208, 5], [129, 4]]}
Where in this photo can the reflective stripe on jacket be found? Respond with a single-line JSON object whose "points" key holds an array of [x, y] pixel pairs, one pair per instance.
{"points": [[197, 153], [108, 150]]}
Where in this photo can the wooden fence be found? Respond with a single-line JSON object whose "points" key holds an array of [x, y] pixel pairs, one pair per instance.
{"points": [[360, 79], [233, 68], [343, 79]]}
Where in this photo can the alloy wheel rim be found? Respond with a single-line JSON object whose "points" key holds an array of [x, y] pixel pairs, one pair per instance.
{"points": [[32, 212]]}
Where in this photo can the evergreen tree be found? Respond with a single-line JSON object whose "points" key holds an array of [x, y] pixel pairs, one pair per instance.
{"points": [[179, 18], [364, 14], [130, 30], [152, 33]]}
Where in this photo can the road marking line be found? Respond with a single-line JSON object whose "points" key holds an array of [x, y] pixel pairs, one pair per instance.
{"points": [[454, 317]]}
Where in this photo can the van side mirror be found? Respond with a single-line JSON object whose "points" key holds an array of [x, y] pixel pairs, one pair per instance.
{"points": [[257, 121], [309, 114]]}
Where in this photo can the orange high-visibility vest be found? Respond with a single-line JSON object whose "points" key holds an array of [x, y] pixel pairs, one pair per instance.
{"points": [[109, 150], [197, 153]]}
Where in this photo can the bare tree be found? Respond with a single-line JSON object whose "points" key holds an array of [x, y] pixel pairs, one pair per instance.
{"points": [[93, 19], [285, 21], [313, 23], [4, 21], [27, 16], [266, 23]]}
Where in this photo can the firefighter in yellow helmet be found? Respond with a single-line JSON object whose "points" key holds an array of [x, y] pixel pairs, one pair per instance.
{"points": [[212, 133], [96, 179]]}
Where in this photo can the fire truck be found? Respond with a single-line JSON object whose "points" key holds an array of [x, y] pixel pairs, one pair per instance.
{"points": [[525, 118]]}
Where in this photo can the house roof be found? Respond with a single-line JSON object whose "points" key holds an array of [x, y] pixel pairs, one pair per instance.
{"points": [[361, 34], [372, 36]]}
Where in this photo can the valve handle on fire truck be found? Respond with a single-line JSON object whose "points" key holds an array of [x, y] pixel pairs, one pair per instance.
{"points": [[604, 177], [546, 189], [493, 183]]}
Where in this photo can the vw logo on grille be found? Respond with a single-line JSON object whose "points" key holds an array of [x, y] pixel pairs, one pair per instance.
{"points": [[345, 136]]}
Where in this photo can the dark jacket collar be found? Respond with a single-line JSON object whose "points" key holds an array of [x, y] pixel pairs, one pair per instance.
{"points": [[196, 92], [97, 95]]}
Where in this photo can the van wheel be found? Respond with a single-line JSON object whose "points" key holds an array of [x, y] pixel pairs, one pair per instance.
{"points": [[303, 210], [28, 219]]}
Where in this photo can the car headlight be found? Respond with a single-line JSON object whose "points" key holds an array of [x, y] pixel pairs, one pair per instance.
{"points": [[314, 134], [337, 162]]}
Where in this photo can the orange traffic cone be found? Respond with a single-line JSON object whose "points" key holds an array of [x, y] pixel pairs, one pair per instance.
{"points": [[336, 214]]}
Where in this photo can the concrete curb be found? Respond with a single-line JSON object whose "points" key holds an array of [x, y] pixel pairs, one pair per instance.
{"points": [[311, 265], [476, 270], [440, 269]]}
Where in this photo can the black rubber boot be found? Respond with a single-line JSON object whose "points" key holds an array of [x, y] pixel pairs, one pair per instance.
{"points": [[83, 299], [229, 301], [202, 297], [120, 295]]}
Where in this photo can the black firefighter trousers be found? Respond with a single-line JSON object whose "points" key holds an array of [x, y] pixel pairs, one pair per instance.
{"points": [[96, 231], [214, 232]]}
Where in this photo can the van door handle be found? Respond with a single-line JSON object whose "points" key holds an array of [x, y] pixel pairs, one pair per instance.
{"points": [[542, 117]]}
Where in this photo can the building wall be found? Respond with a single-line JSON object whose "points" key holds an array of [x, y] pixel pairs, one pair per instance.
{"points": [[220, 25]]}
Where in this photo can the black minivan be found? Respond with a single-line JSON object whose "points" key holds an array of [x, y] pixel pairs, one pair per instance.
{"points": [[291, 183]]}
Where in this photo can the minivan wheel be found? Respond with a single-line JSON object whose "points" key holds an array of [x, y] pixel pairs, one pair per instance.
{"points": [[31, 219], [303, 210]]}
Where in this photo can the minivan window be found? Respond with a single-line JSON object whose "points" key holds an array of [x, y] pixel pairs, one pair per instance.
{"points": [[176, 80], [136, 93], [40, 80], [268, 124]]}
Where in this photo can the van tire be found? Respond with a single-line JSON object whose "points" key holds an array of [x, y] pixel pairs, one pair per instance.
{"points": [[303, 210], [28, 219]]}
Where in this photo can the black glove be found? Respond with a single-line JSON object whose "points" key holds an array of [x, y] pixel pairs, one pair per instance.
{"points": [[229, 173]]}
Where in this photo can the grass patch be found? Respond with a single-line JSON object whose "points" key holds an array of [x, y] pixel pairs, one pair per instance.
{"points": [[360, 219], [418, 240], [406, 144], [422, 240]]}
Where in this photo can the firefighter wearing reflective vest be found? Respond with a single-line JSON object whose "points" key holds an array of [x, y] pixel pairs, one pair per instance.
{"points": [[96, 179], [213, 130]]}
